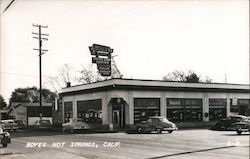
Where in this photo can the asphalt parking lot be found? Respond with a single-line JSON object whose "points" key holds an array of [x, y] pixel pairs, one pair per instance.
{"points": [[195, 143]]}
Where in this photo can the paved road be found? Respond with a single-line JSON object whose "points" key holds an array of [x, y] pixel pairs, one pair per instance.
{"points": [[182, 144]]}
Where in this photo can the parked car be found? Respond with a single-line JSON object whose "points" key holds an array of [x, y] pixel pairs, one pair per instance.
{"points": [[227, 123], [4, 137], [156, 123], [42, 124], [75, 124], [8, 125], [242, 126], [20, 124]]}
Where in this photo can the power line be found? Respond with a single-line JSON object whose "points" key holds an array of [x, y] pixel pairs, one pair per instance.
{"points": [[9, 6]]}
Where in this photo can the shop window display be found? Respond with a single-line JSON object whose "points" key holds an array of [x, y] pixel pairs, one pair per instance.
{"points": [[90, 111], [68, 111], [181, 109], [217, 109], [146, 107]]}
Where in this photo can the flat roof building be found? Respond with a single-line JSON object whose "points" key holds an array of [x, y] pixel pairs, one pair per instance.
{"points": [[124, 102]]}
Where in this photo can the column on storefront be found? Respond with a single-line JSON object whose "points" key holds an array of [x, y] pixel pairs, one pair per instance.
{"points": [[163, 104], [131, 107], [105, 102], [205, 107], [74, 107], [228, 106]]}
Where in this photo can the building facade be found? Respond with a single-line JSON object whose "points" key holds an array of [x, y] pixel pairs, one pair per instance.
{"points": [[29, 113], [125, 102]]}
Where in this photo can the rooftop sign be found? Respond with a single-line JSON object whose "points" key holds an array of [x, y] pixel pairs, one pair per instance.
{"points": [[102, 58]]}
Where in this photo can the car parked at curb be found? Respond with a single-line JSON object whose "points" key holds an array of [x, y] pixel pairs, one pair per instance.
{"points": [[8, 125], [42, 124], [4, 137], [20, 124], [242, 126], [156, 123], [227, 123], [75, 124]]}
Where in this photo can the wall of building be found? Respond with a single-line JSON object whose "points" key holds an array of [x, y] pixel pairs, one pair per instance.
{"points": [[129, 95]]}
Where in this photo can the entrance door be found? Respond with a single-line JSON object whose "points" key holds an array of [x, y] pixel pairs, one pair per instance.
{"points": [[116, 118], [118, 112]]}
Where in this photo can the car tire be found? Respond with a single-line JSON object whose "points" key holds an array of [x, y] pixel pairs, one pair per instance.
{"points": [[139, 129], [5, 145], [170, 131], [158, 130], [72, 130], [239, 132]]}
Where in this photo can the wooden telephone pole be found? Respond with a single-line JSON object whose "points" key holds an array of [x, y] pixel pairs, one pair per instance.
{"points": [[41, 52]]}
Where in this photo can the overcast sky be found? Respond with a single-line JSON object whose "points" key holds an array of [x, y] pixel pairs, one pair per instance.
{"points": [[151, 38]]}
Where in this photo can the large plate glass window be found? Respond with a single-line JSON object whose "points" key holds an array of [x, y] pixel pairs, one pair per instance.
{"points": [[244, 107], [68, 111], [184, 109], [90, 111], [145, 107], [217, 109]]}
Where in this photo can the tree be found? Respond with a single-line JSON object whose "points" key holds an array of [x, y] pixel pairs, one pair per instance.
{"points": [[87, 75], [66, 74], [3, 104], [177, 76], [192, 78], [31, 95], [208, 80], [180, 76]]}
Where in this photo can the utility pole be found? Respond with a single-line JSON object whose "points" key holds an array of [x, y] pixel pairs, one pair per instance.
{"points": [[41, 52]]}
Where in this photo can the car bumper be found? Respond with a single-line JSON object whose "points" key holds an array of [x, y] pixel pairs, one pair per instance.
{"points": [[81, 128], [242, 129], [170, 129]]}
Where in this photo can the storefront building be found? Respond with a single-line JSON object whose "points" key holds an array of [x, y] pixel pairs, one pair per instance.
{"points": [[125, 102]]}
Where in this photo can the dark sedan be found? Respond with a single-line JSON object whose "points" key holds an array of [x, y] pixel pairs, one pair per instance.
{"points": [[156, 123], [242, 126], [227, 123]]}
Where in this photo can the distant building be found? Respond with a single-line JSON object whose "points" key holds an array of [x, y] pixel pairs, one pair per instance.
{"points": [[124, 102], [29, 113], [4, 114]]}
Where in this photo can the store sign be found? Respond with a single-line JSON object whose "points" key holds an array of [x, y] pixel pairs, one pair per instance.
{"points": [[102, 58], [99, 60], [104, 67], [100, 49], [235, 101]]}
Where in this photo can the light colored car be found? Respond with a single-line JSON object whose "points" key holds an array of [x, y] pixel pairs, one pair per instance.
{"points": [[4, 137], [42, 124], [156, 123], [8, 125], [75, 124]]}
